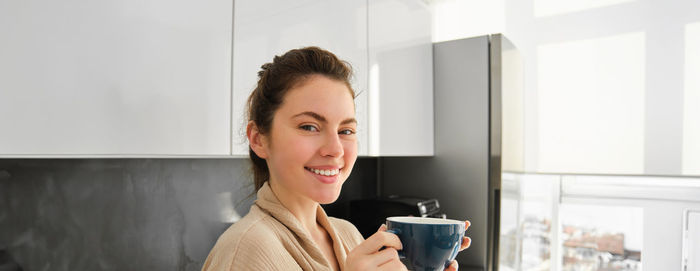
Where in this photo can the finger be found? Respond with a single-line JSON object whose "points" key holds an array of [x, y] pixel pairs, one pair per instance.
{"points": [[384, 256], [378, 240], [454, 266], [466, 242], [392, 265], [467, 223]]}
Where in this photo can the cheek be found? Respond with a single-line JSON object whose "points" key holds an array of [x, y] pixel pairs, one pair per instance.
{"points": [[350, 147], [297, 149], [350, 150]]}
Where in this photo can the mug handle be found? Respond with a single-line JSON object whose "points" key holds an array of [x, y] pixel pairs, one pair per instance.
{"points": [[402, 255]]}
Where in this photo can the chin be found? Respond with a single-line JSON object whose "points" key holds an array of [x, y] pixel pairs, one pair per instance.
{"points": [[326, 202], [327, 197]]}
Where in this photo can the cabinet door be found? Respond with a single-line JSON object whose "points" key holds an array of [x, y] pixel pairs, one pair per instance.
{"points": [[400, 78], [115, 78], [265, 28]]}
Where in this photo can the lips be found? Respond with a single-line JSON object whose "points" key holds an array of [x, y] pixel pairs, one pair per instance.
{"points": [[324, 172]]}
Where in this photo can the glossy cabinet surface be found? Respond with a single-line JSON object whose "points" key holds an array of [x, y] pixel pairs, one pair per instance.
{"points": [[263, 29], [171, 78], [400, 79], [388, 43], [115, 78]]}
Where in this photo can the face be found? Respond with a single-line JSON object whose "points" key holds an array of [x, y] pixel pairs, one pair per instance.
{"points": [[312, 145]]}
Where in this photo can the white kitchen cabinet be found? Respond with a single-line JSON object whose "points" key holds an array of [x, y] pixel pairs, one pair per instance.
{"points": [[123, 78], [388, 43], [265, 28], [400, 78]]}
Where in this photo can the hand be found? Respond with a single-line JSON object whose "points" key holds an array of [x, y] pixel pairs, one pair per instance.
{"points": [[368, 256], [466, 242]]}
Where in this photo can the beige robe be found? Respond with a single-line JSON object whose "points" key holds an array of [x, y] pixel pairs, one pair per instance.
{"points": [[269, 237]]}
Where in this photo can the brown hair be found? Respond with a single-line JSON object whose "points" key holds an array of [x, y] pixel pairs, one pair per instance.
{"points": [[275, 79]]}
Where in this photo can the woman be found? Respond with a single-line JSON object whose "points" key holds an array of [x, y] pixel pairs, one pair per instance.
{"points": [[303, 145]]}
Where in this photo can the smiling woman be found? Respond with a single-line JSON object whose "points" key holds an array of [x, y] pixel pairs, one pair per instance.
{"points": [[301, 132], [313, 133]]}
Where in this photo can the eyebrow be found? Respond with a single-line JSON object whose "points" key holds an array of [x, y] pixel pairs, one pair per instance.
{"points": [[322, 118]]}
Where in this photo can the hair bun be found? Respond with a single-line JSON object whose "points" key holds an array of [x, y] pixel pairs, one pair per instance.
{"points": [[264, 69]]}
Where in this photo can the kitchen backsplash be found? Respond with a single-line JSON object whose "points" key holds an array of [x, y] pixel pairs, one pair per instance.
{"points": [[130, 214]]}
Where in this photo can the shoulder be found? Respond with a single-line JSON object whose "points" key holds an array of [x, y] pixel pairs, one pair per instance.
{"points": [[347, 231], [253, 227], [249, 243]]}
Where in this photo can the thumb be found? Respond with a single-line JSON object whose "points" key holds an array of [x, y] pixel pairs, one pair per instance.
{"points": [[382, 227]]}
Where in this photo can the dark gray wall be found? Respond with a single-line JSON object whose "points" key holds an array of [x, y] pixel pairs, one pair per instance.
{"points": [[128, 214]]}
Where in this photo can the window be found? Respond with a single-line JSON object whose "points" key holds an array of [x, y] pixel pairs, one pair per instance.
{"points": [[557, 7], [601, 237], [591, 105], [691, 99], [597, 222]]}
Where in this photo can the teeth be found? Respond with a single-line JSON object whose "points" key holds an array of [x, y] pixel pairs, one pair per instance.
{"points": [[324, 172]]}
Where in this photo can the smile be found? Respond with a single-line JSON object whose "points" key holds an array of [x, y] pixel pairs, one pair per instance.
{"points": [[324, 172]]}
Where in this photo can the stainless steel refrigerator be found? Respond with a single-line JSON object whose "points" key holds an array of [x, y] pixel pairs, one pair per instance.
{"points": [[471, 77]]}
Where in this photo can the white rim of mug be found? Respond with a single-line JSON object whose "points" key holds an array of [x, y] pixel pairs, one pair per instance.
{"points": [[424, 220]]}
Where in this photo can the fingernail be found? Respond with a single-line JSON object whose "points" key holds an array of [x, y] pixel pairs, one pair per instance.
{"points": [[382, 226]]}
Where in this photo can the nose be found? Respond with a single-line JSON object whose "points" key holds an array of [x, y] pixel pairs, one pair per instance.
{"points": [[332, 146]]}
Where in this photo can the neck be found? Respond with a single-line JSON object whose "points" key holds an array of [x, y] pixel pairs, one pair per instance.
{"points": [[303, 208]]}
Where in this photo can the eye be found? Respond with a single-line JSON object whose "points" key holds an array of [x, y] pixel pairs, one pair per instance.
{"points": [[347, 132], [309, 128]]}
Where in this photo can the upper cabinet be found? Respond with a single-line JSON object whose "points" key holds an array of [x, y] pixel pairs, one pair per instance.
{"points": [[161, 78], [115, 78], [265, 28], [388, 44], [400, 78]]}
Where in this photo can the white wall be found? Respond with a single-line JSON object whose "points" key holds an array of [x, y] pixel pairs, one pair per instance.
{"points": [[609, 84], [456, 19]]}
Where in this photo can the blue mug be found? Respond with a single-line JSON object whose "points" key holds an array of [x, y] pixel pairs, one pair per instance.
{"points": [[428, 243]]}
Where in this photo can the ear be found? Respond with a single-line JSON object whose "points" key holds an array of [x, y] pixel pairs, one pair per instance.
{"points": [[257, 141]]}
